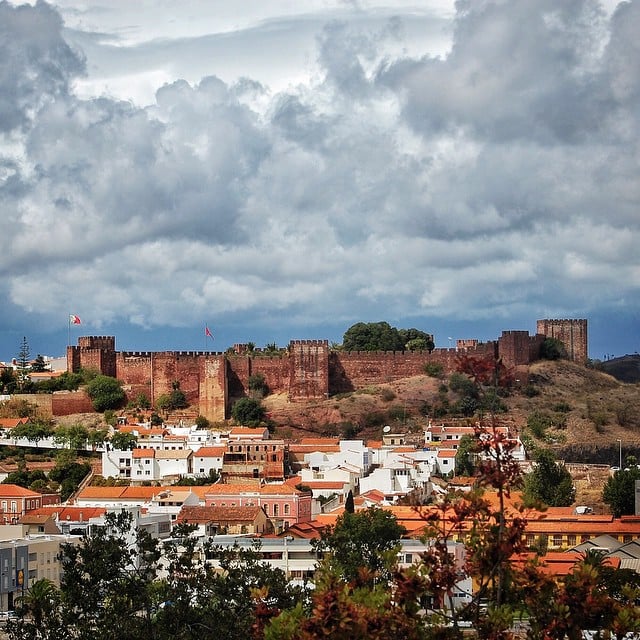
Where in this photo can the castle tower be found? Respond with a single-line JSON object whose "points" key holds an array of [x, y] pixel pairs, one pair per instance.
{"points": [[572, 333], [309, 369]]}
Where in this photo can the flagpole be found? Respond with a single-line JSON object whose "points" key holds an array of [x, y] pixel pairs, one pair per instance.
{"points": [[68, 330]]}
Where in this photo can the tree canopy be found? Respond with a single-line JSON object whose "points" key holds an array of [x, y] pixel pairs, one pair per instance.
{"points": [[620, 491], [248, 412], [361, 540], [549, 482], [381, 336], [106, 393]]}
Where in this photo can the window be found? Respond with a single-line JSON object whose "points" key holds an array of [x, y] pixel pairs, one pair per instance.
{"points": [[571, 540], [276, 509], [557, 540], [287, 509]]}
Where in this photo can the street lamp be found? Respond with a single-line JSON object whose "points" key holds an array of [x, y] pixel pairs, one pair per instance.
{"points": [[620, 445]]}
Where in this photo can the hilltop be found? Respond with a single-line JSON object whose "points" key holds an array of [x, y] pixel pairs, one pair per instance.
{"points": [[625, 368], [587, 410]]}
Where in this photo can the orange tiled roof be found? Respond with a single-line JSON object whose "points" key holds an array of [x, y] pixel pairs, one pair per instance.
{"points": [[216, 514], [75, 514], [10, 423], [324, 484], [144, 453], [210, 452], [14, 490]]}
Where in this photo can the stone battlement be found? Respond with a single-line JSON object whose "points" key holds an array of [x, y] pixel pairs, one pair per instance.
{"points": [[308, 369]]}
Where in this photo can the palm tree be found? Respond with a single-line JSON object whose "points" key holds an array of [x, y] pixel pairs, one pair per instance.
{"points": [[40, 600]]}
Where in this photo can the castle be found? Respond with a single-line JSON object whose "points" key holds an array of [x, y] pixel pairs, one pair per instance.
{"points": [[308, 370]]}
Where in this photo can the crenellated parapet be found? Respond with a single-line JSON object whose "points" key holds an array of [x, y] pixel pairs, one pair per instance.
{"points": [[307, 369]]}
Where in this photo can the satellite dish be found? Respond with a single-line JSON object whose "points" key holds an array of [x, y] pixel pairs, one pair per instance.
{"points": [[386, 429]]}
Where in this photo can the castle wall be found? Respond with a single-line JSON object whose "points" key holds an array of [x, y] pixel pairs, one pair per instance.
{"points": [[571, 332], [213, 389], [308, 369], [275, 370], [239, 370], [351, 370], [514, 348], [66, 403]]}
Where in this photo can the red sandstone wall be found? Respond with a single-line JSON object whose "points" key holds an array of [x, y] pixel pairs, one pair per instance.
{"points": [[213, 393], [275, 369], [65, 403], [308, 369], [238, 373], [351, 370], [514, 348], [572, 333]]}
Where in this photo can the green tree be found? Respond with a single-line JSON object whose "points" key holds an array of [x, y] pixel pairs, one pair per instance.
{"points": [[97, 437], [25, 478], [8, 380], [142, 401], [619, 491], [111, 588], [248, 411], [23, 364], [202, 422], [38, 365], [258, 385], [549, 482], [34, 431], [69, 473], [40, 603], [552, 349], [123, 441], [366, 539], [174, 400], [372, 336], [349, 505], [465, 456], [416, 340], [106, 393], [74, 436]]}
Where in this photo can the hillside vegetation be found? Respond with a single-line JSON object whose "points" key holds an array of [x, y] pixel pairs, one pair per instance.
{"points": [[585, 411]]}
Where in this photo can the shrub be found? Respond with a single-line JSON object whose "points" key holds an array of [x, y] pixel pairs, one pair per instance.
{"points": [[538, 422], [374, 418], [530, 391], [258, 385], [387, 395], [459, 383], [434, 369], [398, 412]]}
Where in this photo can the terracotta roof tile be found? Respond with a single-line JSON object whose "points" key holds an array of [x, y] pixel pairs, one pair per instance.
{"points": [[210, 452], [216, 514]]}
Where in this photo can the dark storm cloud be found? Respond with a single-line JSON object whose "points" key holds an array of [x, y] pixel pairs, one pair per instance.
{"points": [[498, 179]]}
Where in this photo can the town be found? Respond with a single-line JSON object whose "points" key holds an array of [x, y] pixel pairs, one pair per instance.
{"points": [[246, 488]]}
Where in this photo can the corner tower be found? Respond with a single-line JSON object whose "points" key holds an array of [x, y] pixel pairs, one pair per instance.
{"points": [[572, 333]]}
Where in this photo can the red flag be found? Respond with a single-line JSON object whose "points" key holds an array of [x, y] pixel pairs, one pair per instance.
{"points": [[74, 319], [207, 333]]}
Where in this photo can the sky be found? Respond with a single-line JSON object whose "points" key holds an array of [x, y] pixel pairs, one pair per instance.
{"points": [[282, 170]]}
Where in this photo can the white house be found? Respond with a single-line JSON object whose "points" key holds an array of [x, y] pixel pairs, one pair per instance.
{"points": [[207, 459]]}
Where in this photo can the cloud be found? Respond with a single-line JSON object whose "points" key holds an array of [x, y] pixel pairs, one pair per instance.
{"points": [[496, 180], [36, 63]]}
